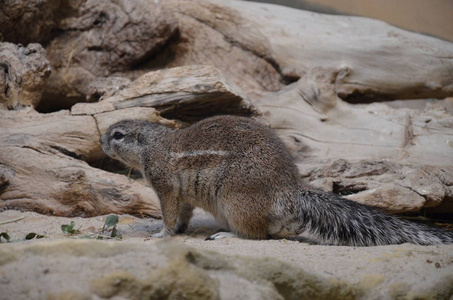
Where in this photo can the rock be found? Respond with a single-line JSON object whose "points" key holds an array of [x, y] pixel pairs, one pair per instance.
{"points": [[162, 269], [23, 73]]}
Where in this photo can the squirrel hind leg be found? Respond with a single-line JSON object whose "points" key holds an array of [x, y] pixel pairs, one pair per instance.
{"points": [[284, 227], [241, 228]]}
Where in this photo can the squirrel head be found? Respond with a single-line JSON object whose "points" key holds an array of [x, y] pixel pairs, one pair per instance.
{"points": [[127, 139]]}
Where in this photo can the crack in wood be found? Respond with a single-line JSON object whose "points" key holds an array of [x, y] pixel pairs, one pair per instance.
{"points": [[408, 133]]}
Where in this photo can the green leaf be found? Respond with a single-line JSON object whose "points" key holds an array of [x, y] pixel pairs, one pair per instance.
{"points": [[111, 221], [115, 233], [33, 235], [69, 229], [5, 236]]}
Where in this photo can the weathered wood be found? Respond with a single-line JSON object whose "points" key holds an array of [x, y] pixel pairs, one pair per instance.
{"points": [[100, 39], [23, 72], [185, 93], [371, 58], [43, 157], [42, 169], [356, 59], [296, 68]]}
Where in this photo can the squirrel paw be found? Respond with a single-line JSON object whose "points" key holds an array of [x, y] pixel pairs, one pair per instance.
{"points": [[181, 228], [220, 235], [158, 235], [163, 233]]}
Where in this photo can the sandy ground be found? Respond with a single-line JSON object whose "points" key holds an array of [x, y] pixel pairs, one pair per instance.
{"points": [[388, 271]]}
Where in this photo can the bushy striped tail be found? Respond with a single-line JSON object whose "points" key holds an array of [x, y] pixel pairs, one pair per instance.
{"points": [[330, 219]]}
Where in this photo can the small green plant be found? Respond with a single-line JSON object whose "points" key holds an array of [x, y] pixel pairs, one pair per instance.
{"points": [[33, 235], [69, 229], [111, 222], [5, 237]]}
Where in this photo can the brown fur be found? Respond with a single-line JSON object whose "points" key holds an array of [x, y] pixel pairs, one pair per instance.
{"points": [[239, 170], [200, 166]]}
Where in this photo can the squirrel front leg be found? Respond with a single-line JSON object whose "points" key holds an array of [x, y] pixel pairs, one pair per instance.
{"points": [[184, 217], [170, 207]]}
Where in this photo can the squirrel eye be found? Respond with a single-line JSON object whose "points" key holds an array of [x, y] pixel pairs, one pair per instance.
{"points": [[117, 135]]}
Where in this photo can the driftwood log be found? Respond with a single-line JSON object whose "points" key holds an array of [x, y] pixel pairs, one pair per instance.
{"points": [[45, 158], [315, 78]]}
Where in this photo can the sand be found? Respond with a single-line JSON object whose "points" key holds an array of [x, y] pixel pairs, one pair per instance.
{"points": [[387, 271]]}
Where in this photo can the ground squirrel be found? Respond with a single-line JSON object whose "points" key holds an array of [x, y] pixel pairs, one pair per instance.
{"points": [[241, 172]]}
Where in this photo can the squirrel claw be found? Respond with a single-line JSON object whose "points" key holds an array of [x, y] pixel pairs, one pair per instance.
{"points": [[220, 235]]}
